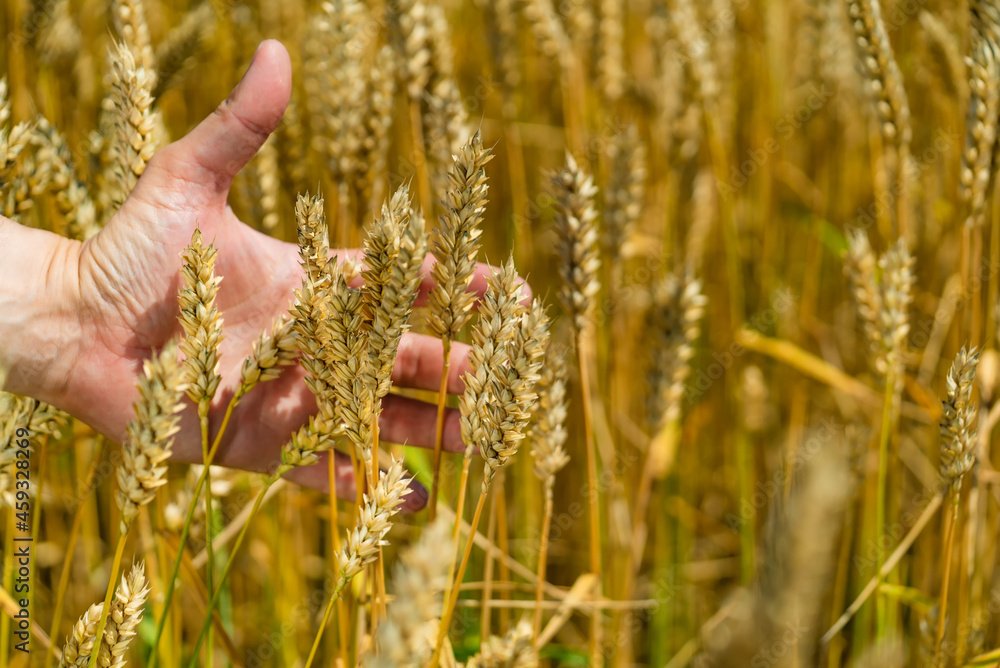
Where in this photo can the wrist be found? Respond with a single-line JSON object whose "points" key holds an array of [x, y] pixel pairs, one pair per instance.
{"points": [[40, 330]]}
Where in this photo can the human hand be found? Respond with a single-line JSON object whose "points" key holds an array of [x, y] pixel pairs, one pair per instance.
{"points": [[113, 299]]}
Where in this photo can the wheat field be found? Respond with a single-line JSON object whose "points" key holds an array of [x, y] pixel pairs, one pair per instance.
{"points": [[707, 296]]}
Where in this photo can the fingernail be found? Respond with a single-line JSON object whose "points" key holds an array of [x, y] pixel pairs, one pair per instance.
{"points": [[417, 498], [250, 66]]}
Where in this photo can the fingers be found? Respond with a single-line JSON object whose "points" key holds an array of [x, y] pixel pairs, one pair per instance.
{"points": [[419, 360], [215, 151], [317, 477], [411, 422]]}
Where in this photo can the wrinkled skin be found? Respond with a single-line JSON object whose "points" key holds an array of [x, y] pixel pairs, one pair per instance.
{"points": [[108, 302]]}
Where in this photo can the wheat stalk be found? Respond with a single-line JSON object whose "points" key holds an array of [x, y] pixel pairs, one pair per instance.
{"points": [[577, 236], [549, 452]]}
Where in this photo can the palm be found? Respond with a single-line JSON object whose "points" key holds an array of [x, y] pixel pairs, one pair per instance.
{"points": [[129, 278]]}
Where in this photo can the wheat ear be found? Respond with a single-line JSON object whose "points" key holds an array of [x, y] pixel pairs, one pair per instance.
{"points": [[404, 639], [455, 248], [979, 155], [514, 650], [364, 543], [180, 45], [150, 434], [958, 439], [124, 618], [135, 121]]}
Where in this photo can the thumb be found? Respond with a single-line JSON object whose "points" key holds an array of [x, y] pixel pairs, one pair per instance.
{"points": [[221, 145]]}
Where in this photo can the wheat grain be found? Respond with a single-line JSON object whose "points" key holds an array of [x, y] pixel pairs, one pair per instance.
{"points": [[885, 82], [499, 313], [610, 60], [346, 348], [124, 618], [457, 240], [979, 155], [335, 84], [514, 650], [310, 309], [150, 435], [313, 237], [135, 121], [625, 194], [896, 265], [16, 412], [507, 411], [548, 29], [413, 35], [378, 124], [72, 196], [306, 444], [548, 445], [80, 644], [130, 23], [958, 433], [374, 522], [200, 320], [859, 265], [271, 353], [395, 253], [674, 320], [576, 227]]}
